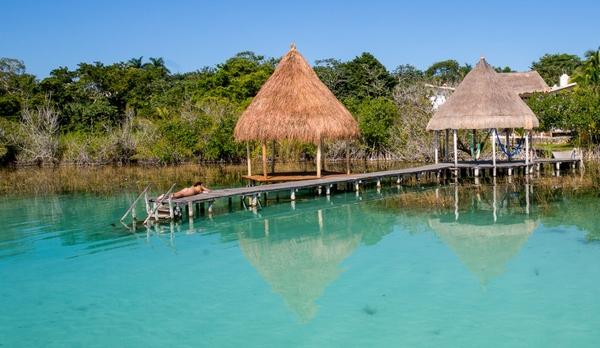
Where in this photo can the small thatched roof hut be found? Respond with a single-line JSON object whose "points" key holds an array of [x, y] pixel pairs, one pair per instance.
{"points": [[525, 83], [483, 101], [294, 104]]}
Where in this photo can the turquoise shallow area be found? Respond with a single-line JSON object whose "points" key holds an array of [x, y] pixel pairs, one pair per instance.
{"points": [[346, 271]]}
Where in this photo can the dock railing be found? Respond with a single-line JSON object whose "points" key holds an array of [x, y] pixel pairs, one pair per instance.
{"points": [[131, 209]]}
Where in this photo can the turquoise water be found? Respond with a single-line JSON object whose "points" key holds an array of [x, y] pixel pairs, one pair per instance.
{"points": [[349, 271]]}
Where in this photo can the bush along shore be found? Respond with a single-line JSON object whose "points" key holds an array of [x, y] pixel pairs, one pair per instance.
{"points": [[139, 112]]}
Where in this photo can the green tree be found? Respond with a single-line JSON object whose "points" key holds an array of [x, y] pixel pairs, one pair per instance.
{"points": [[375, 117], [551, 66], [367, 77], [588, 74], [448, 72], [16, 87]]}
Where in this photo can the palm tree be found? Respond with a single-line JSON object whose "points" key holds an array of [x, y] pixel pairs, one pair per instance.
{"points": [[135, 62], [589, 73]]}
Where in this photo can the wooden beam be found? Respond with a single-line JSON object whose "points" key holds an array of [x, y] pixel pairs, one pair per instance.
{"points": [[436, 140], [447, 146], [527, 151], [319, 145], [455, 138], [248, 159], [493, 139], [264, 158], [273, 157], [348, 157]]}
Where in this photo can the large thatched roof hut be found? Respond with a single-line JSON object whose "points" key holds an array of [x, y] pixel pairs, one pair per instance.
{"points": [[484, 100], [294, 104]]}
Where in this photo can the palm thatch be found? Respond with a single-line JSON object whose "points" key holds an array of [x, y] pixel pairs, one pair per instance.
{"points": [[482, 101], [484, 249], [294, 104], [525, 83]]}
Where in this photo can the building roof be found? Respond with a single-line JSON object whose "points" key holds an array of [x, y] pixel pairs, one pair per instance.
{"points": [[294, 104], [481, 101], [525, 83]]}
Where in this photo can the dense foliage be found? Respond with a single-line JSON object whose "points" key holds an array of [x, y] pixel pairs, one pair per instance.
{"points": [[138, 111], [577, 110]]}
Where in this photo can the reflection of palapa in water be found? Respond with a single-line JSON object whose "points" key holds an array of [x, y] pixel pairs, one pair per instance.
{"points": [[299, 266], [484, 249]]}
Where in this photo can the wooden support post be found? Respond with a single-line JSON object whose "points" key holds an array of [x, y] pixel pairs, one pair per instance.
{"points": [[190, 209], [455, 140], [476, 156], [447, 146], [526, 152], [210, 207], [147, 202], [436, 140], [493, 139], [293, 195], [328, 190], [378, 183], [264, 159], [319, 146], [248, 159], [273, 158], [348, 157]]}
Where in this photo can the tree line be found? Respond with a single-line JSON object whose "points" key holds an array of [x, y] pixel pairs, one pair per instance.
{"points": [[137, 111]]}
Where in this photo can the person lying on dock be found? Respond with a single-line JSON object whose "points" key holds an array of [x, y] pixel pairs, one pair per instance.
{"points": [[193, 190]]}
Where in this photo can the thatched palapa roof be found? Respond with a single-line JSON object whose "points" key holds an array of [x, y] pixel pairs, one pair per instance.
{"points": [[482, 101], [295, 104], [525, 83]]}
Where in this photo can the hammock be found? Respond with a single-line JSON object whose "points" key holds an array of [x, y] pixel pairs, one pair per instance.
{"points": [[476, 148], [515, 151]]}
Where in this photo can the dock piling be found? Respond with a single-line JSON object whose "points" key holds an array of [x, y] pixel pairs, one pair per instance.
{"points": [[190, 209]]}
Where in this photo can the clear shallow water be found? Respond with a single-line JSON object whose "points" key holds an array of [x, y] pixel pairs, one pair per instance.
{"points": [[349, 271]]}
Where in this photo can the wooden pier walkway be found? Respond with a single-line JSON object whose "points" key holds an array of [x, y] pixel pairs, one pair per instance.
{"points": [[326, 183], [171, 208], [297, 185]]}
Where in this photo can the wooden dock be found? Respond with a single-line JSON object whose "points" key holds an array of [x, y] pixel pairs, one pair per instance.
{"points": [[325, 184]]}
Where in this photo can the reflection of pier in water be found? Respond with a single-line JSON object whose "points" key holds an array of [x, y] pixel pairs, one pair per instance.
{"points": [[483, 245]]}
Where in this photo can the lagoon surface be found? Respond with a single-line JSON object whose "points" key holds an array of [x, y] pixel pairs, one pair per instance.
{"points": [[415, 266]]}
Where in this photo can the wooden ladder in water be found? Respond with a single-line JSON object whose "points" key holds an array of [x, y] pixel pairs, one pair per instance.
{"points": [[154, 212]]}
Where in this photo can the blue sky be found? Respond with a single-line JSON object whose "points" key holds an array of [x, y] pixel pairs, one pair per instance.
{"points": [[193, 34]]}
